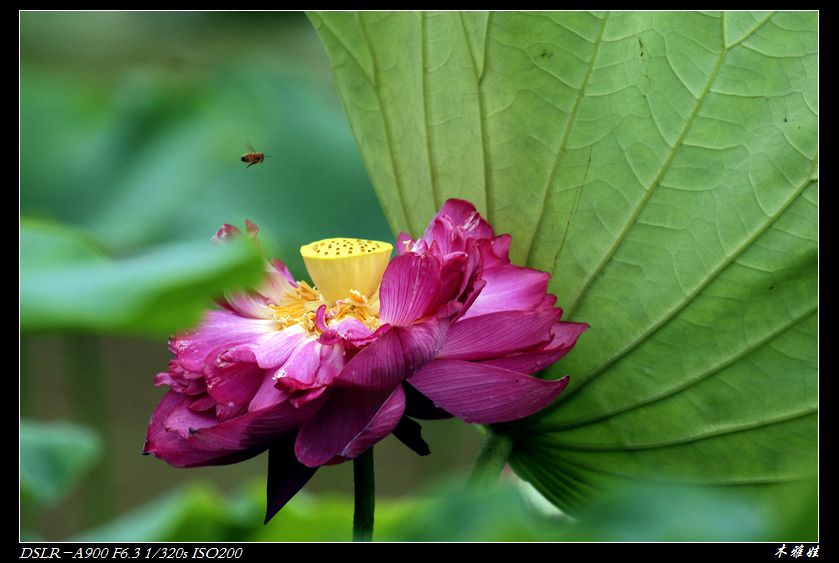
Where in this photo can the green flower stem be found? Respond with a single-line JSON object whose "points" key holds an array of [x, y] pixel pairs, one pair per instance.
{"points": [[365, 497], [491, 461]]}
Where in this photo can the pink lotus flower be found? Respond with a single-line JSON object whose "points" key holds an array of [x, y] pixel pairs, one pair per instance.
{"points": [[319, 375]]}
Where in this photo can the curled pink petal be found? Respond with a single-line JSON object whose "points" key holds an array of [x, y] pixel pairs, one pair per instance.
{"points": [[500, 248], [455, 223], [356, 332], [499, 334], [171, 446], [482, 393], [409, 288], [460, 281], [301, 368], [267, 395], [508, 287], [202, 404], [563, 338], [309, 371], [220, 329], [250, 305], [224, 412], [348, 424], [254, 429], [185, 421], [394, 355], [181, 380], [274, 349], [232, 383]]}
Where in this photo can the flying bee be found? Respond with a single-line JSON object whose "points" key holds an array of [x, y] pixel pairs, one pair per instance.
{"points": [[252, 156]]}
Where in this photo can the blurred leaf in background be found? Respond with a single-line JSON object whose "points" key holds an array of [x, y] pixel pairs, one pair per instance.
{"points": [[66, 282], [647, 511], [637, 512], [642, 512], [54, 455], [199, 512], [194, 512]]}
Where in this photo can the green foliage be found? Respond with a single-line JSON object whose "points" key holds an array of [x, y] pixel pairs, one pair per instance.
{"points": [[53, 456], [655, 512], [67, 282], [451, 513], [193, 513], [639, 512], [199, 512], [663, 167], [329, 518]]}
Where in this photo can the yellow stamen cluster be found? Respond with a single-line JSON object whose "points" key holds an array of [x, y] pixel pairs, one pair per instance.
{"points": [[299, 307], [347, 274], [357, 306]]}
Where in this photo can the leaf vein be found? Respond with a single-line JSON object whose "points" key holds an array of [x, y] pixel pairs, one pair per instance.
{"points": [[648, 192], [564, 140], [780, 419], [690, 382], [388, 132], [337, 37], [432, 170]]}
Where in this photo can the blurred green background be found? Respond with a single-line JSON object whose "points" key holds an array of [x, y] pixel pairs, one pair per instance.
{"points": [[132, 125]]}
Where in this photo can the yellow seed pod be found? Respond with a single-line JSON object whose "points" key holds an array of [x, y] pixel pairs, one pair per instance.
{"points": [[338, 265]]}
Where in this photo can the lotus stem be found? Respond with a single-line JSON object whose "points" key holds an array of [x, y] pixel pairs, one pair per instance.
{"points": [[491, 461], [365, 497]]}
